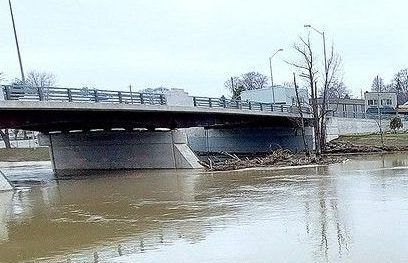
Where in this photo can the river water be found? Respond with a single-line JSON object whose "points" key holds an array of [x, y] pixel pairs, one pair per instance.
{"points": [[356, 211]]}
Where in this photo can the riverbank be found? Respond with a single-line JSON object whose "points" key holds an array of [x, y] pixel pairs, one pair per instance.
{"points": [[368, 143], [24, 154]]}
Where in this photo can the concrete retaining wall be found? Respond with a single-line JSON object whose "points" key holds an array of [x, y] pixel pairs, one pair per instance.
{"points": [[119, 150], [4, 183], [246, 140], [337, 126]]}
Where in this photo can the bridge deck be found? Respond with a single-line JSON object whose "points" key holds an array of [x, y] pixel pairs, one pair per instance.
{"points": [[67, 112]]}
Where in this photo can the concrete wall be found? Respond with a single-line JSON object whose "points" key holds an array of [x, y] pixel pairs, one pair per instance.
{"points": [[284, 95], [337, 126], [4, 183], [346, 107], [120, 150], [178, 97], [6, 205], [246, 140]]}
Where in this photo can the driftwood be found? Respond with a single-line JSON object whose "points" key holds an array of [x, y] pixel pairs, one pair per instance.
{"points": [[279, 157]]}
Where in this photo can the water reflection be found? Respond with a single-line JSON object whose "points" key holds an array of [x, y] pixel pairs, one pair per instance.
{"points": [[324, 214]]}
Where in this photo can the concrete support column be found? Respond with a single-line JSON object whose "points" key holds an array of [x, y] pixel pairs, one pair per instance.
{"points": [[72, 152]]}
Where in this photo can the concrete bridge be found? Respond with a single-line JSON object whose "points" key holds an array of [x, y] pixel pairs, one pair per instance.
{"points": [[101, 129]]}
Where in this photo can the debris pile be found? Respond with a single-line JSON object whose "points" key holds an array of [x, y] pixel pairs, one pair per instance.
{"points": [[279, 157]]}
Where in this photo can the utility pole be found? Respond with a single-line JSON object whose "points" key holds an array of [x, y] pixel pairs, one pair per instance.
{"points": [[17, 46], [131, 94], [324, 51], [398, 90], [270, 67], [379, 110]]}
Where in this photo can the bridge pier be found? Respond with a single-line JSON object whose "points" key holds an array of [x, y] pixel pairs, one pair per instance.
{"points": [[113, 150]]}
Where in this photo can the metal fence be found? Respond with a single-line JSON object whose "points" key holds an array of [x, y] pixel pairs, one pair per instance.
{"points": [[26, 93], [363, 115]]}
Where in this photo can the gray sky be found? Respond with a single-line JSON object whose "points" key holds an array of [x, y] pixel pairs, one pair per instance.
{"points": [[196, 45]]}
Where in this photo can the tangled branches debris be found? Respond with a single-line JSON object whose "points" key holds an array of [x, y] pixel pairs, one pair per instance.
{"points": [[279, 157]]}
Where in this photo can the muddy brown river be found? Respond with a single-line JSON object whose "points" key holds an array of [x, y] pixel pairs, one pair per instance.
{"points": [[356, 211]]}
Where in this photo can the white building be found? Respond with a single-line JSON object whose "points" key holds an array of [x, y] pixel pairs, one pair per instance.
{"points": [[1, 93], [275, 94], [383, 100]]}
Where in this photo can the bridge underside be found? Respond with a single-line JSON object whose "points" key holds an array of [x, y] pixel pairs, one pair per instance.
{"points": [[46, 121], [78, 146], [47, 116]]}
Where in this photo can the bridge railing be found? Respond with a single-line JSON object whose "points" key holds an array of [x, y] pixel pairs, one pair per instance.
{"points": [[28, 93], [206, 102]]}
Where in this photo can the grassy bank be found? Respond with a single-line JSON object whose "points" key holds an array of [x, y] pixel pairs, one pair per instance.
{"points": [[24, 154], [390, 139]]}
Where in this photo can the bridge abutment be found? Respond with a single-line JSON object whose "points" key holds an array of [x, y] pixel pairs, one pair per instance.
{"points": [[248, 140], [113, 150]]}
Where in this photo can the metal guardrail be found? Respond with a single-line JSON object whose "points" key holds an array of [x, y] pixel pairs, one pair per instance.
{"points": [[245, 105], [28, 93], [25, 93]]}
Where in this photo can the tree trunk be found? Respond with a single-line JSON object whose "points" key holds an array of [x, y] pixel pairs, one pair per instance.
{"points": [[316, 124], [323, 133], [302, 120], [6, 138]]}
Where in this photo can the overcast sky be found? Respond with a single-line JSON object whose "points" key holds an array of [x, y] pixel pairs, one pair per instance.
{"points": [[196, 45]]}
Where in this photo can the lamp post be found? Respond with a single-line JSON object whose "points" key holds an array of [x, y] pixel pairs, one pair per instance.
{"points": [[324, 47], [18, 48], [270, 67]]}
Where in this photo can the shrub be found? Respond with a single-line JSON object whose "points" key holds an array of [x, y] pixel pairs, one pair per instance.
{"points": [[396, 123]]}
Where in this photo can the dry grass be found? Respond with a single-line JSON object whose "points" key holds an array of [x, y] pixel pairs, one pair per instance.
{"points": [[24, 154], [390, 139]]}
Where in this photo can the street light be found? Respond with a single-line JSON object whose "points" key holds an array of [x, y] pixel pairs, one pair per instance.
{"points": [[324, 46], [18, 48], [270, 66]]}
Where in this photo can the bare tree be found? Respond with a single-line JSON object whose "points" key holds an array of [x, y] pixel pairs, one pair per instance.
{"points": [[234, 85], [337, 90], [301, 123], [248, 81], [378, 86], [254, 80], [331, 80], [5, 136], [38, 79], [399, 84], [308, 71]]}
